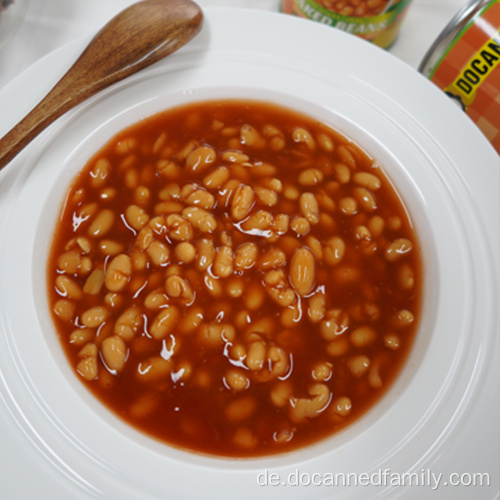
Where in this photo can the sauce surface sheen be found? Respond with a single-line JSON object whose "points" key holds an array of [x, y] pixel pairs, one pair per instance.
{"points": [[235, 278]]}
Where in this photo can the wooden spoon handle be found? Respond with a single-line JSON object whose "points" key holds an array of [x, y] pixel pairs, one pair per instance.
{"points": [[131, 41]]}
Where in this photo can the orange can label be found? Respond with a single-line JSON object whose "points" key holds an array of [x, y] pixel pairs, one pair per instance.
{"points": [[469, 72]]}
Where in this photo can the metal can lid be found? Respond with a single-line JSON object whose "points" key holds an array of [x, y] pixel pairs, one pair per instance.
{"points": [[446, 37]]}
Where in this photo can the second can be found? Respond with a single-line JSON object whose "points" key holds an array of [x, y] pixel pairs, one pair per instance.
{"points": [[375, 20]]}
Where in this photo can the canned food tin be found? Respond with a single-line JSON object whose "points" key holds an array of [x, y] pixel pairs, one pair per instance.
{"points": [[464, 62], [375, 20]]}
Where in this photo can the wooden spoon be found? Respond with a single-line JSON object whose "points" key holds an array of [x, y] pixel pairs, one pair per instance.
{"points": [[140, 35]]}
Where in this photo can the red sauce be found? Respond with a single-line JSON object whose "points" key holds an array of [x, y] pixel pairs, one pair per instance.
{"points": [[232, 373]]}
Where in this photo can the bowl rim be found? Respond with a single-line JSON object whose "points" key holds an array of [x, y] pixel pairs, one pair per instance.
{"points": [[460, 378]]}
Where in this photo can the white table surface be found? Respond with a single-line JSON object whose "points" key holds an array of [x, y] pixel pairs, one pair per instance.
{"points": [[49, 24]]}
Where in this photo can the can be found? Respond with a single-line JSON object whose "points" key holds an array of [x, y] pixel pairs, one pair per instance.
{"points": [[464, 62], [378, 21]]}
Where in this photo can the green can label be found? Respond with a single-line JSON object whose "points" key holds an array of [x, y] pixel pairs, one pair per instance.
{"points": [[379, 25]]}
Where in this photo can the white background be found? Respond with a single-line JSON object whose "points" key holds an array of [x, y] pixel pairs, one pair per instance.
{"points": [[50, 24]]}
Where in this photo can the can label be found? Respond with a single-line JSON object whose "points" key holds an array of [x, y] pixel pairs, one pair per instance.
{"points": [[378, 24], [475, 72], [469, 71]]}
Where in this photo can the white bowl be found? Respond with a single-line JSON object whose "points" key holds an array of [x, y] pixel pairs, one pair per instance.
{"points": [[92, 452]]}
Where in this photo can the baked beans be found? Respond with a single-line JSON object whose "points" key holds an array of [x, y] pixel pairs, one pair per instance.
{"points": [[235, 278], [355, 8]]}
